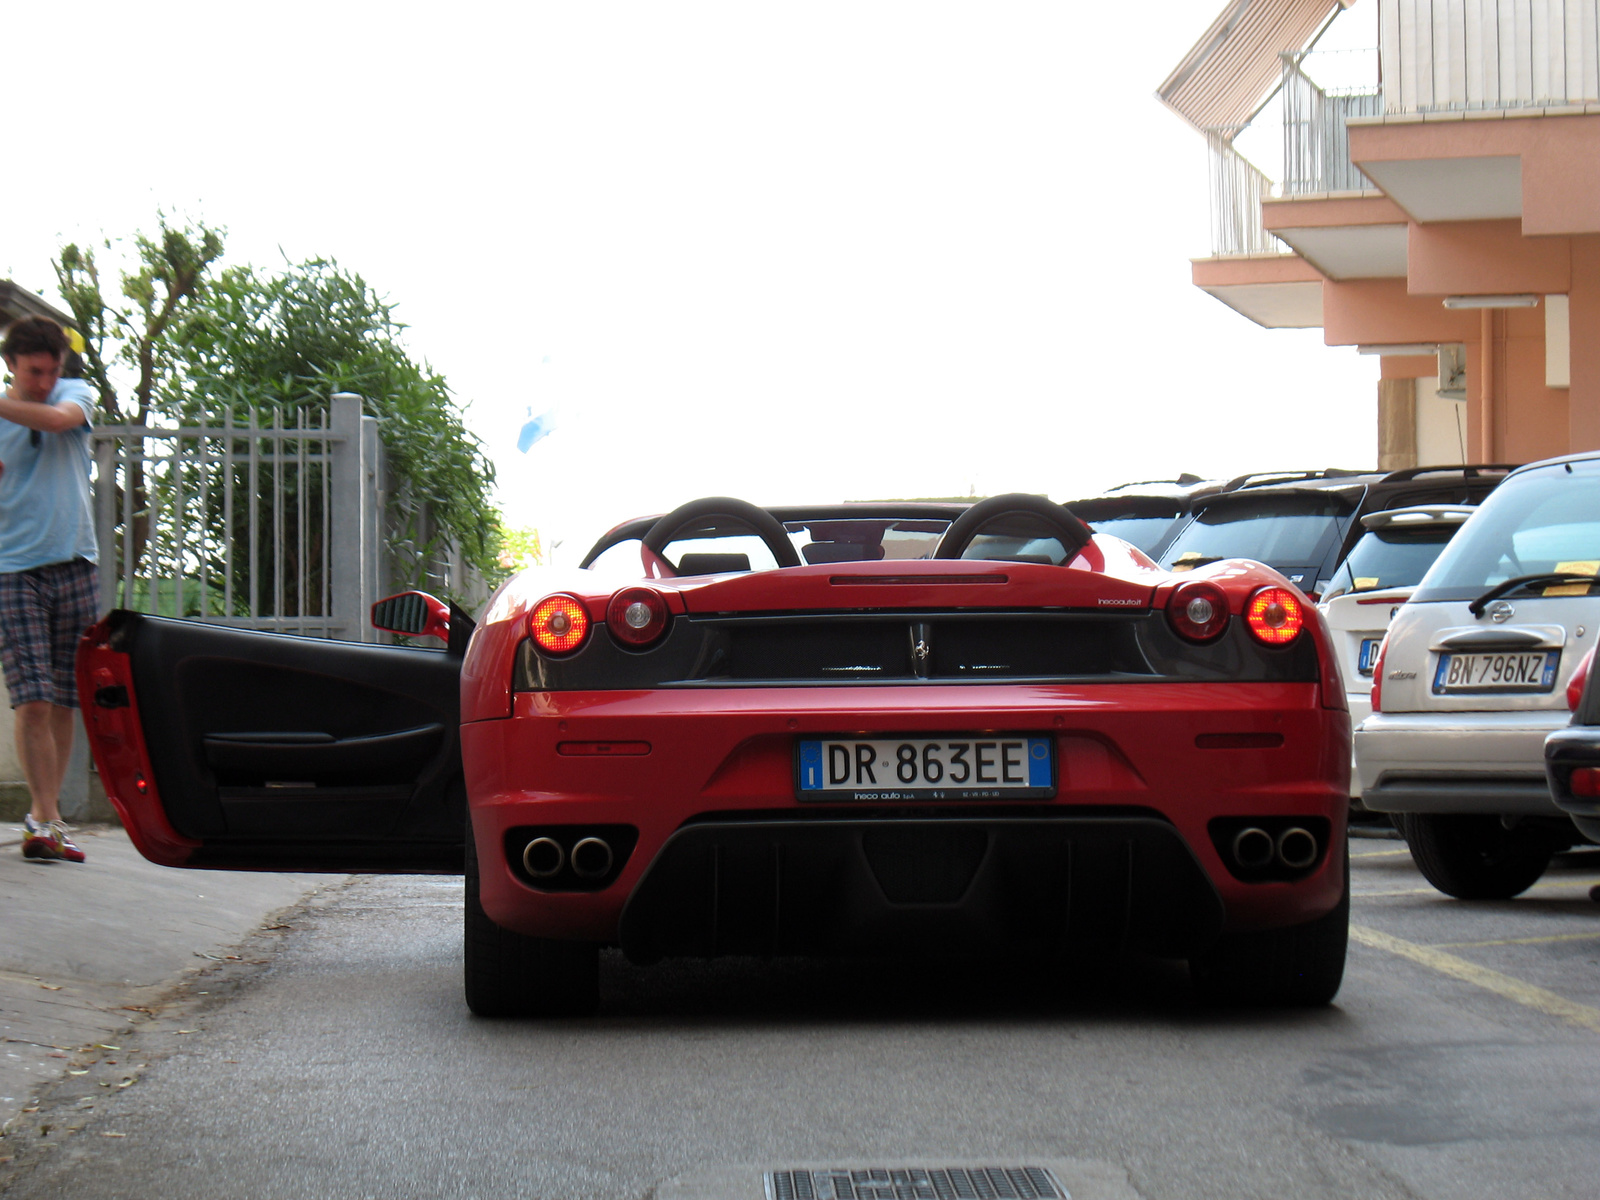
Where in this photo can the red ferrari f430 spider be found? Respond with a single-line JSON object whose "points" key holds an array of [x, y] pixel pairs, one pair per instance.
{"points": [[860, 729]]}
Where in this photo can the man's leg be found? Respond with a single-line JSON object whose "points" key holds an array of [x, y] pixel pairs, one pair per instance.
{"points": [[42, 751]]}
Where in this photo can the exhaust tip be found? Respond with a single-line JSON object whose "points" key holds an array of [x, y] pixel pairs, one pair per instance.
{"points": [[1253, 847], [543, 857], [1297, 848], [591, 858]]}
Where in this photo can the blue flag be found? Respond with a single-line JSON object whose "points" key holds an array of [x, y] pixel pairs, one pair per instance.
{"points": [[535, 428]]}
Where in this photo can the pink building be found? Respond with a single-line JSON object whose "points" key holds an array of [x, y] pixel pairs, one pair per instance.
{"points": [[1433, 198]]}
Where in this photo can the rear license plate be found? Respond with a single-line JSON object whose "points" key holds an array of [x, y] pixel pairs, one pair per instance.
{"points": [[1369, 654], [1532, 671], [958, 767]]}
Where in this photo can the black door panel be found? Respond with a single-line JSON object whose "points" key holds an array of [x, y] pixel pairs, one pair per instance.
{"points": [[300, 753]]}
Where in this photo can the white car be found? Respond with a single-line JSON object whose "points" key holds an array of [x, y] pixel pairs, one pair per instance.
{"points": [[1472, 677], [1374, 580]]}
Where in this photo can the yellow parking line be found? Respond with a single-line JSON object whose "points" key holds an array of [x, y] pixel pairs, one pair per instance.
{"points": [[1383, 854], [1542, 885], [1525, 994], [1527, 941]]}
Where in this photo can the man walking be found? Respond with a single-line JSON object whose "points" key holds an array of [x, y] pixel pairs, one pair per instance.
{"points": [[47, 565]]}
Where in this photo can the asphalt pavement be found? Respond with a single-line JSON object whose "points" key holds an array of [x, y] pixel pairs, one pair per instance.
{"points": [[336, 1058], [87, 949]]}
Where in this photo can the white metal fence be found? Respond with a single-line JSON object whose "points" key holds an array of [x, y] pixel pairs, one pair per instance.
{"points": [[286, 523]]}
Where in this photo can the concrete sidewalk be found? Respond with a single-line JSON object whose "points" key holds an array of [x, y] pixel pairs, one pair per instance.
{"points": [[86, 947]]}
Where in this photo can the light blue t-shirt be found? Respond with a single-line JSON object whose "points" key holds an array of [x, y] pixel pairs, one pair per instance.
{"points": [[45, 514]]}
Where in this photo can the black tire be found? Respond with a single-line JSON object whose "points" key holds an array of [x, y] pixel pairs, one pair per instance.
{"points": [[1474, 856], [1298, 967], [509, 975]]}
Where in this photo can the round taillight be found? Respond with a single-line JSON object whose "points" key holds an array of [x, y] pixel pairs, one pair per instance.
{"points": [[1198, 611], [1275, 616], [558, 624], [636, 616]]}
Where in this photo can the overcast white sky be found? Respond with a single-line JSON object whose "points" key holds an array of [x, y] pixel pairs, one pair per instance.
{"points": [[784, 251]]}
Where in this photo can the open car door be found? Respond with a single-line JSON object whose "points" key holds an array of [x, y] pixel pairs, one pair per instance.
{"points": [[233, 748]]}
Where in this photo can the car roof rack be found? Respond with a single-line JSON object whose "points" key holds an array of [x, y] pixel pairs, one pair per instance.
{"points": [[1273, 478], [1469, 471]]}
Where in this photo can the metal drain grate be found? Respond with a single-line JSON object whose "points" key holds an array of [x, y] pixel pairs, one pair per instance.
{"points": [[916, 1183]]}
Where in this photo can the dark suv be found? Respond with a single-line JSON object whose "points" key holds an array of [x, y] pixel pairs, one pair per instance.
{"points": [[1304, 523], [1146, 514]]}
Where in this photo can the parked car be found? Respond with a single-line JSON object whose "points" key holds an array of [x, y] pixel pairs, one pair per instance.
{"points": [[851, 754], [1471, 679], [1394, 553], [1304, 524], [1146, 514], [1572, 755]]}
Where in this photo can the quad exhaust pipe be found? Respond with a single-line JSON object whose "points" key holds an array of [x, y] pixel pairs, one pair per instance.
{"points": [[591, 858], [1255, 849], [543, 857]]}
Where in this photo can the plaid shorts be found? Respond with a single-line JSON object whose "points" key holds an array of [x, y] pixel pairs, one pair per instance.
{"points": [[43, 613]]}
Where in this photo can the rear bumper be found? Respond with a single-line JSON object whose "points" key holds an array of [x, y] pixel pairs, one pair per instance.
{"points": [[717, 785], [921, 886], [1564, 751], [1489, 762]]}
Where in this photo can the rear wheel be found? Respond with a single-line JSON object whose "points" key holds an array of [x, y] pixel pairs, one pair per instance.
{"points": [[1473, 856], [509, 975], [1298, 967]]}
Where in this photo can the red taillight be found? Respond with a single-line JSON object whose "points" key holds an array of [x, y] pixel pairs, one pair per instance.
{"points": [[1580, 676], [637, 616], [1586, 782], [1198, 611], [1275, 615], [1377, 675], [558, 624]]}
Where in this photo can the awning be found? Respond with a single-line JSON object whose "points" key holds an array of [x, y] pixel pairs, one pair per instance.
{"points": [[1234, 66]]}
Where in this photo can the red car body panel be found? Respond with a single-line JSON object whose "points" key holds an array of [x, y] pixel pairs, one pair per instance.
{"points": [[116, 738], [1130, 746]]}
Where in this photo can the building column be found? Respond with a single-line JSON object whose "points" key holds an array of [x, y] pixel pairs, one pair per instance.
{"points": [[1397, 424], [1583, 318]]}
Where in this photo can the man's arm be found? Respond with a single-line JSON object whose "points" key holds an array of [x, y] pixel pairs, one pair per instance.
{"points": [[48, 418]]}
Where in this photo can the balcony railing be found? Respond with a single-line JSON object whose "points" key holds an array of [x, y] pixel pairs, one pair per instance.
{"points": [[1237, 188], [1316, 144], [1444, 55]]}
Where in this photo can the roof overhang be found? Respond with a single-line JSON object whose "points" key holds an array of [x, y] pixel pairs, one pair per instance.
{"points": [[1278, 291], [17, 302]]}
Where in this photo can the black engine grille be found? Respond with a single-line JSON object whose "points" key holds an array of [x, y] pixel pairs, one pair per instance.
{"points": [[874, 646]]}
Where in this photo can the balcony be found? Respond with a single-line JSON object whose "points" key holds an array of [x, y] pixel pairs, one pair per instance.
{"points": [[1300, 134], [1497, 55]]}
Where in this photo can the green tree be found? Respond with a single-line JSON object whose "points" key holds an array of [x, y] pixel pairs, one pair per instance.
{"points": [[196, 345], [290, 340]]}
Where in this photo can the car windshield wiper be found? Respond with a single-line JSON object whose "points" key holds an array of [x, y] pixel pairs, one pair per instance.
{"points": [[1521, 581]]}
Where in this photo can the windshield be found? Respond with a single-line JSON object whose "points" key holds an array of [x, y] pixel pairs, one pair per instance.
{"points": [[1544, 521], [1278, 531], [822, 541], [1389, 558]]}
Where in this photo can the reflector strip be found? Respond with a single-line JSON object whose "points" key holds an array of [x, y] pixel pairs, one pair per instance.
{"points": [[601, 749]]}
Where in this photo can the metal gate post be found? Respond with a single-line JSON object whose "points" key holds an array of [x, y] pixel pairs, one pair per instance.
{"points": [[105, 519], [347, 533]]}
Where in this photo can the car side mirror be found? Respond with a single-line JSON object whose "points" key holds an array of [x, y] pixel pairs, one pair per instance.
{"points": [[415, 614]]}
